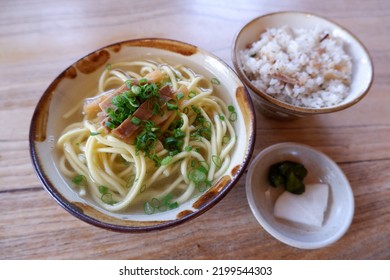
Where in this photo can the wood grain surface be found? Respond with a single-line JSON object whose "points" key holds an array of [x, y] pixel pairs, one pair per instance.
{"points": [[40, 38]]}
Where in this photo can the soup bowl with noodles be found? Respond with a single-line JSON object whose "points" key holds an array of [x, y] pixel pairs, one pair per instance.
{"points": [[142, 135]]}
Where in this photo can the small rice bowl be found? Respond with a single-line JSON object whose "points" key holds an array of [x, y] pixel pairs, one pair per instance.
{"points": [[302, 67]]}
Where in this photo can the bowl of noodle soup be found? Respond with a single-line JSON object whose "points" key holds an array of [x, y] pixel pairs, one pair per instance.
{"points": [[142, 135]]}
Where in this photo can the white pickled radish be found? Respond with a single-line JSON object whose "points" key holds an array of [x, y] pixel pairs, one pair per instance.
{"points": [[307, 208]]}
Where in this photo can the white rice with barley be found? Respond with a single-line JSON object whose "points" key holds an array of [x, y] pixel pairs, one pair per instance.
{"points": [[306, 68]]}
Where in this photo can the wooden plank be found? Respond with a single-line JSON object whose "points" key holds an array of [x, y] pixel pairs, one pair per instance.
{"points": [[228, 231]]}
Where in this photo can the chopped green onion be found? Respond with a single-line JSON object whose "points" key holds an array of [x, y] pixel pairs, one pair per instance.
{"points": [[128, 84], [195, 109], [215, 81], [173, 205], [133, 102], [157, 110], [197, 176], [225, 139], [191, 94], [155, 203], [163, 207], [107, 198], [207, 124], [173, 153], [136, 89], [108, 66], [110, 125], [180, 96], [103, 189], [171, 105], [130, 181], [231, 108], [233, 117], [143, 188], [79, 180], [167, 160], [143, 81], [186, 110], [217, 161], [188, 149], [203, 169], [178, 133], [135, 120], [221, 117], [148, 209]]}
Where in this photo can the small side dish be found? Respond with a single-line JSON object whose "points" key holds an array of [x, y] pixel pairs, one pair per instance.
{"points": [[298, 203], [302, 67], [298, 64], [313, 219]]}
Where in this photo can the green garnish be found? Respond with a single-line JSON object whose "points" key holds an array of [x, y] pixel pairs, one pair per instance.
{"points": [[128, 84], [172, 105], [188, 149], [288, 174], [79, 180], [147, 139], [106, 195], [103, 189], [130, 181], [136, 90], [94, 133], [203, 126], [233, 117], [135, 120], [162, 205], [148, 209], [197, 176], [179, 96], [233, 113], [167, 160], [157, 110], [143, 188], [178, 133], [225, 139], [195, 109], [217, 161], [126, 103], [107, 198], [191, 94], [215, 81]]}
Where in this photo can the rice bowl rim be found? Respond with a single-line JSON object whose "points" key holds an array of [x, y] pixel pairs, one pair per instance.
{"points": [[298, 109]]}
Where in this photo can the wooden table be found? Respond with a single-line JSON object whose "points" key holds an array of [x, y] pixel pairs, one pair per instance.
{"points": [[38, 39]]}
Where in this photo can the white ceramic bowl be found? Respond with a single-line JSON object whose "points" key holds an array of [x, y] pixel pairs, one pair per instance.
{"points": [[362, 71], [321, 169], [71, 87]]}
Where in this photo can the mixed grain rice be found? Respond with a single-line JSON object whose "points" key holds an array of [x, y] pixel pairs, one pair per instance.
{"points": [[306, 68]]}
